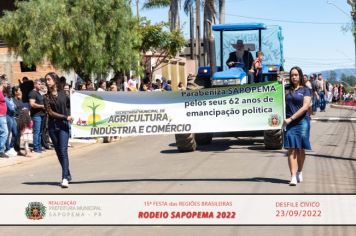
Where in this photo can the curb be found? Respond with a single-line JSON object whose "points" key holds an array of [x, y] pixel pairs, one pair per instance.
{"points": [[50, 153], [343, 107]]}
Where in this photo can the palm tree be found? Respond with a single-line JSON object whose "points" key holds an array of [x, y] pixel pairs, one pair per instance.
{"points": [[221, 11], [173, 10], [210, 14]]}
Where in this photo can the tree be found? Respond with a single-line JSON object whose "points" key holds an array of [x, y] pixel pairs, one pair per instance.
{"points": [[222, 11], [93, 103], [162, 43], [332, 77], [88, 36], [173, 10]]}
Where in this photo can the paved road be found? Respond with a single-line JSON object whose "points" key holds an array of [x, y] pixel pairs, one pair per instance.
{"points": [[151, 164]]}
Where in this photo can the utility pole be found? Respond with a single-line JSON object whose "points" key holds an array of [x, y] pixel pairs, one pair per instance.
{"points": [[197, 35], [352, 3]]}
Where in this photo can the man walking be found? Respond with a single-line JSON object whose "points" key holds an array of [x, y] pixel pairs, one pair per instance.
{"points": [[3, 123], [37, 115]]}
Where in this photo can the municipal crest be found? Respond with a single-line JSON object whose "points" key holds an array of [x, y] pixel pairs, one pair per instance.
{"points": [[35, 211]]}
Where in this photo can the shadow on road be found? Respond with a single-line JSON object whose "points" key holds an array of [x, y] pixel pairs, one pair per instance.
{"points": [[219, 145], [255, 179], [332, 157]]}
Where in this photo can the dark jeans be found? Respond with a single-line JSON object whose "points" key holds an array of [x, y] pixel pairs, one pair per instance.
{"points": [[322, 101], [37, 133], [59, 132], [45, 135], [13, 132], [315, 103]]}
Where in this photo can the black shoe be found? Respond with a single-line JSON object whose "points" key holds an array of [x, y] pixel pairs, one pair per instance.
{"points": [[3, 155]]}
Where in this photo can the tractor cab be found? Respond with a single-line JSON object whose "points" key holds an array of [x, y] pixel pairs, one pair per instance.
{"points": [[256, 37]]}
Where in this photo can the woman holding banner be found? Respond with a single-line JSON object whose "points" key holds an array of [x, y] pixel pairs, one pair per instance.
{"points": [[57, 104], [297, 123]]}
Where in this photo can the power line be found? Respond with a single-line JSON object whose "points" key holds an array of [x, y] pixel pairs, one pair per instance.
{"points": [[289, 21]]}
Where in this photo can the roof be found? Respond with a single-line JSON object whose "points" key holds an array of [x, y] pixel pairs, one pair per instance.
{"points": [[240, 26]]}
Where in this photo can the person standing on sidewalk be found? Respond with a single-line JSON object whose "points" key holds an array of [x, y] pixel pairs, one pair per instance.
{"points": [[3, 123], [322, 92], [11, 123], [297, 123], [57, 104], [37, 115]]}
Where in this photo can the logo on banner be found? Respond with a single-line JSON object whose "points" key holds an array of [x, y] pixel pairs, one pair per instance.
{"points": [[274, 120], [35, 211], [92, 104]]}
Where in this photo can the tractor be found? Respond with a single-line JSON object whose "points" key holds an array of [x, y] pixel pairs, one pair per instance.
{"points": [[256, 37]]}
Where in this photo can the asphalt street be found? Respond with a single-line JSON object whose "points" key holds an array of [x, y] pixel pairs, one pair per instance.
{"points": [[151, 164]]}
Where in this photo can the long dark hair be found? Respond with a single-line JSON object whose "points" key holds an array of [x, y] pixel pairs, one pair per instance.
{"points": [[56, 79], [301, 76], [23, 119]]}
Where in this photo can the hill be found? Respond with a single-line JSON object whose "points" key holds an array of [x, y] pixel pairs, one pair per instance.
{"points": [[339, 72]]}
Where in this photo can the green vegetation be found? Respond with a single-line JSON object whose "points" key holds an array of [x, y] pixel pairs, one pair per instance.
{"points": [[88, 36]]}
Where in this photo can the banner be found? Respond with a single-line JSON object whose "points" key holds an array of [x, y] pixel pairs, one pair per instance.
{"points": [[243, 108], [176, 209]]}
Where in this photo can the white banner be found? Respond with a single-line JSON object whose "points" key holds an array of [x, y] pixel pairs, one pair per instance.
{"points": [[178, 209], [244, 108]]}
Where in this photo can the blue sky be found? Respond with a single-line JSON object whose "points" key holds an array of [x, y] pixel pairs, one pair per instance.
{"points": [[313, 47]]}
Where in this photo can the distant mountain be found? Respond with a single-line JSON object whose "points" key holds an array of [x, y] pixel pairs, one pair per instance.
{"points": [[339, 72]]}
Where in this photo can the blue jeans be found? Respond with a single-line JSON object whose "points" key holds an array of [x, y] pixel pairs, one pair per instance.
{"points": [[12, 128], [59, 133], [37, 133], [314, 103], [322, 101], [3, 133]]}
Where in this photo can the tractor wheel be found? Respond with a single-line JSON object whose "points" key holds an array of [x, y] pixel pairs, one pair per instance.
{"points": [[273, 139], [203, 138], [185, 142]]}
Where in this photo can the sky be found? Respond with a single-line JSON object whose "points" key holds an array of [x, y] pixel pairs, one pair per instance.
{"points": [[313, 30]]}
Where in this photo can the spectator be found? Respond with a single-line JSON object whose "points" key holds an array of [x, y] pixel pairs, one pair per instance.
{"points": [[37, 115], [90, 86], [26, 87], [57, 104], [166, 85], [297, 123], [17, 98], [330, 91], [66, 89], [322, 92], [11, 123], [132, 84], [101, 86], [113, 86], [44, 126], [83, 87], [309, 86], [3, 123], [181, 86], [24, 124], [315, 95], [341, 91], [335, 93]]}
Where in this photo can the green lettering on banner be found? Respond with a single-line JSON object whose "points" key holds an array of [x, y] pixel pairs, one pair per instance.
{"points": [[239, 108]]}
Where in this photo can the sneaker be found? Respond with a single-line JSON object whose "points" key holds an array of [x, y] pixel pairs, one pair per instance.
{"points": [[11, 152], [64, 183], [3, 155], [293, 181], [299, 177]]}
